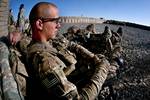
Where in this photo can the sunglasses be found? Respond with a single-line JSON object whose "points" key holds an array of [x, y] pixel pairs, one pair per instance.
{"points": [[55, 20]]}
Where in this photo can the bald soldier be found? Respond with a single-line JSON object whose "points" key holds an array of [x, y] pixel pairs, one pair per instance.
{"points": [[47, 69]]}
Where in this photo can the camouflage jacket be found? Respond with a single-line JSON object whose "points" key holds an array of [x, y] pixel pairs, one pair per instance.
{"points": [[17, 64], [10, 19], [47, 70], [21, 18], [9, 85]]}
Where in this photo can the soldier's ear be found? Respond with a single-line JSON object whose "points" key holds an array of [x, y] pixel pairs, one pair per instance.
{"points": [[39, 24]]}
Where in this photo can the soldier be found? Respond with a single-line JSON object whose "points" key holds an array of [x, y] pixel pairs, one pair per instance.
{"points": [[117, 48], [47, 68], [90, 29], [116, 60], [16, 62], [76, 34], [106, 35], [8, 83], [101, 43], [116, 37], [21, 19], [81, 36], [71, 33], [10, 18], [11, 22], [113, 48]]}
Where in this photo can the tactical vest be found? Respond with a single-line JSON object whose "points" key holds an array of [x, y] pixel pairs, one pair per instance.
{"points": [[61, 44]]}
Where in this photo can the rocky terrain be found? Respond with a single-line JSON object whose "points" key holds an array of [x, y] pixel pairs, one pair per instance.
{"points": [[133, 81]]}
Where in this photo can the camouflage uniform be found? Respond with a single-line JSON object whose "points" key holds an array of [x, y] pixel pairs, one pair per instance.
{"points": [[22, 45], [10, 18], [8, 82], [116, 40], [11, 23], [90, 29], [21, 19], [81, 37], [17, 64], [71, 33], [48, 66], [100, 43], [106, 35], [116, 61]]}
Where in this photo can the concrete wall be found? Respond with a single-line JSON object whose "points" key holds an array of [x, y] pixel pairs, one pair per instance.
{"points": [[3, 17], [70, 19]]}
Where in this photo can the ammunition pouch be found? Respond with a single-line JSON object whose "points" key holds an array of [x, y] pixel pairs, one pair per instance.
{"points": [[68, 58]]}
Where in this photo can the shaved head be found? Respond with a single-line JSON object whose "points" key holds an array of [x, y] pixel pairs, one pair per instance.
{"points": [[44, 23], [41, 10]]}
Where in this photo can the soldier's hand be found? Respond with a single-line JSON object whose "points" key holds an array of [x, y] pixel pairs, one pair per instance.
{"points": [[112, 68], [14, 37]]}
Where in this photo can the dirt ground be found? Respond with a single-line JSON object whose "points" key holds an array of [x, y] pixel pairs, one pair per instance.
{"points": [[134, 84]]}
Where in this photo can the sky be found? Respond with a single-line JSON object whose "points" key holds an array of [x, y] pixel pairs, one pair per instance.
{"points": [[135, 11]]}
